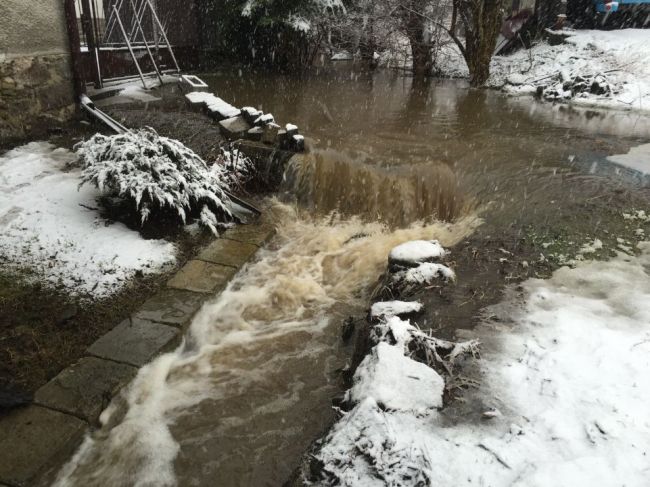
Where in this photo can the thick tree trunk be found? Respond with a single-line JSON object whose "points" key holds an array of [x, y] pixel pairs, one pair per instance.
{"points": [[420, 45], [485, 19], [422, 61]]}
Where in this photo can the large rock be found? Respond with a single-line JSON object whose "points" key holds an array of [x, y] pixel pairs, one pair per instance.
{"points": [[235, 127], [415, 252], [136, 342], [270, 134], [251, 114], [255, 134], [85, 388]]}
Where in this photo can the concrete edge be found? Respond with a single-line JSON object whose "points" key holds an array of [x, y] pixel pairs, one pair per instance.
{"points": [[74, 399]]}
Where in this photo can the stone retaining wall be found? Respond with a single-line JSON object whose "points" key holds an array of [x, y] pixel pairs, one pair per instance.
{"points": [[35, 78], [35, 441], [35, 91]]}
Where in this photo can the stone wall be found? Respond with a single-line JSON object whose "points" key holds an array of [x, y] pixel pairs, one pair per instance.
{"points": [[35, 77]]}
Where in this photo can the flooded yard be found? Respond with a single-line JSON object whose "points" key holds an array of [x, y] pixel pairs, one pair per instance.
{"points": [[252, 386]]}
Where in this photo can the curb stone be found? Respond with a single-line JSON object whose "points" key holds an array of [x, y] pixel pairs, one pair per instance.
{"points": [[35, 441], [85, 389], [202, 277], [135, 342]]}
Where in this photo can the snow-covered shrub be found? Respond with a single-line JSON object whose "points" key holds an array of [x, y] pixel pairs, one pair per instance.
{"points": [[158, 173]]}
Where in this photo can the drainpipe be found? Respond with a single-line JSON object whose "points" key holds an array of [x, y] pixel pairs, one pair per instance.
{"points": [[75, 49]]}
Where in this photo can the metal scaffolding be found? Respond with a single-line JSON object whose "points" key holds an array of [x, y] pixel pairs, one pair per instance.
{"points": [[131, 25]]}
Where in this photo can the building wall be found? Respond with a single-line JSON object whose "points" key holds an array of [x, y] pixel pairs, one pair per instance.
{"points": [[35, 77]]}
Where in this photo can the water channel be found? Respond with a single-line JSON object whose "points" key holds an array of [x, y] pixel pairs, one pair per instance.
{"points": [[251, 387]]}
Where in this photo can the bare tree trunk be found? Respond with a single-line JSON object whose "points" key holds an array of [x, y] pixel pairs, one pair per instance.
{"points": [[415, 24], [482, 25], [422, 61], [454, 18]]}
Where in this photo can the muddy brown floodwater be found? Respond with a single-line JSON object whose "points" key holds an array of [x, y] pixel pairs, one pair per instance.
{"points": [[251, 387]]}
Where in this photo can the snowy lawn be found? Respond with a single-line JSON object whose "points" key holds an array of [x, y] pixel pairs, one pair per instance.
{"points": [[52, 231], [621, 56], [565, 381]]}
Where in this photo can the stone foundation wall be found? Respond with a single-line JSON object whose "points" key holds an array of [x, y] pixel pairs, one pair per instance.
{"points": [[35, 77], [35, 91]]}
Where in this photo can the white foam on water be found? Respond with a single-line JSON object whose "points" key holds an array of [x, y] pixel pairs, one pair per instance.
{"points": [[274, 312]]}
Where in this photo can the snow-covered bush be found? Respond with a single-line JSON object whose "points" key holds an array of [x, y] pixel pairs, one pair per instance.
{"points": [[158, 173]]}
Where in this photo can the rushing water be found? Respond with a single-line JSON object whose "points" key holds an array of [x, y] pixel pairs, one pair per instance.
{"points": [[250, 388]]}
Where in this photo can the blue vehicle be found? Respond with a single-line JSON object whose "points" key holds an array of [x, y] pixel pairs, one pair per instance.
{"points": [[605, 6], [609, 13]]}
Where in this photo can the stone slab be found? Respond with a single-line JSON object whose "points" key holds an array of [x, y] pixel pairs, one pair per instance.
{"points": [[85, 388], [135, 342], [172, 307], [35, 440], [235, 127], [254, 234], [202, 277], [228, 252]]}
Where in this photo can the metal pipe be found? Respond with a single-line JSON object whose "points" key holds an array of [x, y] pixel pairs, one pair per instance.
{"points": [[75, 48], [111, 20], [138, 13], [162, 31], [135, 60], [153, 61]]}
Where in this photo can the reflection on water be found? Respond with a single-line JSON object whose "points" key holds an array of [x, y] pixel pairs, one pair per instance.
{"points": [[442, 146]]}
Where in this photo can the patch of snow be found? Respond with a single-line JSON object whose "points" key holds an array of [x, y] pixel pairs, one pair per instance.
{"points": [[639, 215], [291, 127], [567, 388], [251, 112], [213, 103], [396, 382], [264, 119], [424, 274], [417, 251], [298, 23], [394, 308], [638, 158], [590, 248], [54, 230], [342, 56], [619, 58]]}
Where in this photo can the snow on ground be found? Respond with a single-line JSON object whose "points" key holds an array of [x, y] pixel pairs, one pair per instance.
{"points": [[52, 230], [564, 380], [638, 158], [213, 103], [394, 308], [417, 251], [425, 274], [396, 382], [621, 56]]}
